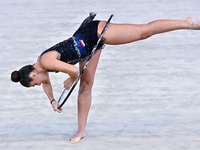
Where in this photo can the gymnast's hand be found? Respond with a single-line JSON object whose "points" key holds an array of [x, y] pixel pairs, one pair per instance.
{"points": [[55, 106], [68, 83]]}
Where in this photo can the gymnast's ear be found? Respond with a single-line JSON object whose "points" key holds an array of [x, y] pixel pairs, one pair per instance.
{"points": [[33, 74]]}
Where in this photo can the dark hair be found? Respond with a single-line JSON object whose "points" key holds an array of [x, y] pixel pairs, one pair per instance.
{"points": [[22, 75]]}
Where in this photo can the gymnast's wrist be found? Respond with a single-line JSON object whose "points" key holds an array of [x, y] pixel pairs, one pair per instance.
{"points": [[52, 101]]}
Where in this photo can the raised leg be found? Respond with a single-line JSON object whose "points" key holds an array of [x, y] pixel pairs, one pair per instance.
{"points": [[127, 33]]}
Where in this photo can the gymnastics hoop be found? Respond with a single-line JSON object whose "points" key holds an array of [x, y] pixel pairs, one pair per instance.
{"points": [[85, 66]]}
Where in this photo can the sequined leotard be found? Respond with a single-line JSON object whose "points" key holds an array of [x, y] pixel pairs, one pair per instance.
{"points": [[80, 45]]}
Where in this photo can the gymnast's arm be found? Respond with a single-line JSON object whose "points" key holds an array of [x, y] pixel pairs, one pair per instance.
{"points": [[49, 92], [50, 61]]}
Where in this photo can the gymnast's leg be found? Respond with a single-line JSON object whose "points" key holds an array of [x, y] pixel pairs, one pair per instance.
{"points": [[85, 93], [127, 33]]}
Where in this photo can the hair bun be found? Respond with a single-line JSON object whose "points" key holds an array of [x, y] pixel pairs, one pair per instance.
{"points": [[15, 76]]}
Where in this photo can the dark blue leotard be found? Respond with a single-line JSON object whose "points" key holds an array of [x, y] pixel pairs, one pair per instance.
{"points": [[80, 45]]}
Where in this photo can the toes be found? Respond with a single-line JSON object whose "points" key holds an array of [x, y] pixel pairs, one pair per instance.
{"points": [[190, 18]]}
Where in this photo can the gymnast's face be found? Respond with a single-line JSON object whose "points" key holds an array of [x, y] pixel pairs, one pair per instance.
{"points": [[37, 79]]}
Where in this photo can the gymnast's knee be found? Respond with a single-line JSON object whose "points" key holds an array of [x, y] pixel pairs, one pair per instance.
{"points": [[146, 35], [85, 87], [147, 32]]}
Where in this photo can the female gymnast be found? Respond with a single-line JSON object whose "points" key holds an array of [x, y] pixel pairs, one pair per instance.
{"points": [[63, 56]]}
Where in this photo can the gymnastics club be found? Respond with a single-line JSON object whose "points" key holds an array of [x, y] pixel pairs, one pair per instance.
{"points": [[92, 53]]}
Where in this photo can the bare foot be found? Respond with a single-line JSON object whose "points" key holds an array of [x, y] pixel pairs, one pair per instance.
{"points": [[193, 24]]}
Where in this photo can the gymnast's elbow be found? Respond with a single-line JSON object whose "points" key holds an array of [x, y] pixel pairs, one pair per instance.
{"points": [[74, 74]]}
